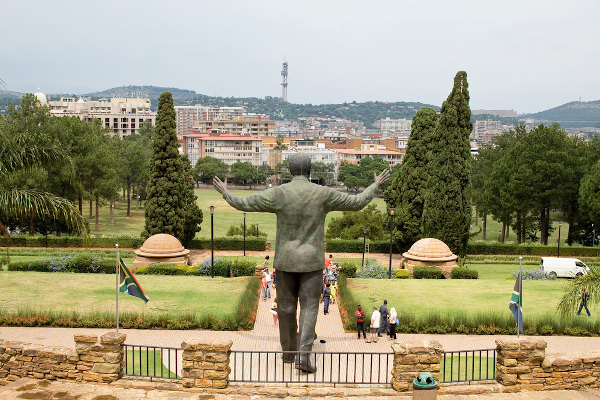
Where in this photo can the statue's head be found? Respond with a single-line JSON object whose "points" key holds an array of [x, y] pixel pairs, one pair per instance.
{"points": [[300, 164]]}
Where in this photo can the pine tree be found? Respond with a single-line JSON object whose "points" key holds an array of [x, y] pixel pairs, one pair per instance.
{"points": [[408, 185], [447, 208], [165, 205]]}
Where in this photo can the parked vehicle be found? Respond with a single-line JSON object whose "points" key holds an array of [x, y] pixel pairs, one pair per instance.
{"points": [[563, 267]]}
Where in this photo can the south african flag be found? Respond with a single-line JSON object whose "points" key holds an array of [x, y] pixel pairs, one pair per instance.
{"points": [[129, 284]]}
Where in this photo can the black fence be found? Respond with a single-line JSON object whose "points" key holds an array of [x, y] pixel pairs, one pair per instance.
{"points": [[344, 368], [152, 361], [469, 365]]}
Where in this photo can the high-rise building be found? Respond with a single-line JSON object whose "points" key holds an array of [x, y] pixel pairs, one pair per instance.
{"points": [[123, 116], [188, 115]]}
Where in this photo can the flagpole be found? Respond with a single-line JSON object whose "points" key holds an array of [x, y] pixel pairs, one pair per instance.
{"points": [[520, 314], [117, 285]]}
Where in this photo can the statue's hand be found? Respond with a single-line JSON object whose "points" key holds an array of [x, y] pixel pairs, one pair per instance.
{"points": [[382, 177], [219, 185]]}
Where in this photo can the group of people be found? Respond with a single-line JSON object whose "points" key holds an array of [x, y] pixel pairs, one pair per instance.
{"points": [[382, 320], [267, 280], [329, 289]]}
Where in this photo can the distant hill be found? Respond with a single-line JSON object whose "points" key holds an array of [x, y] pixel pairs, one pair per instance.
{"points": [[576, 114], [151, 92]]}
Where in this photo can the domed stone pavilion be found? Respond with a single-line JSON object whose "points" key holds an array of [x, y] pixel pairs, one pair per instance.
{"points": [[430, 252], [160, 248]]}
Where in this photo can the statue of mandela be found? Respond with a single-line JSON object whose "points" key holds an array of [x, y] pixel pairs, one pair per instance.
{"points": [[301, 207]]}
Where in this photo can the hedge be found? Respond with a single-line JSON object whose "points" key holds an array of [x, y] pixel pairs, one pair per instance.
{"points": [[252, 243], [427, 273], [79, 263], [464, 273], [402, 274], [481, 247], [356, 246]]}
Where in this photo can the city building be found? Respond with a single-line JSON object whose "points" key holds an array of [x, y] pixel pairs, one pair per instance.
{"points": [[123, 116], [186, 116], [497, 113], [370, 150], [253, 125], [228, 148], [485, 130], [393, 125]]}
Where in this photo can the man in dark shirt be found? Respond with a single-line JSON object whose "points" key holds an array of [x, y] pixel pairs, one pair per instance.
{"points": [[360, 321], [384, 319], [326, 298], [584, 299]]}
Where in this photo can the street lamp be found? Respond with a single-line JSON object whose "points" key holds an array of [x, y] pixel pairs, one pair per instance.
{"points": [[392, 212], [244, 234], [558, 247], [364, 245], [212, 243]]}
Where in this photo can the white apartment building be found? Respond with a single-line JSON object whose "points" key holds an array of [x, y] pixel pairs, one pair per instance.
{"points": [[187, 116], [227, 148], [369, 150], [123, 116], [484, 130], [393, 125]]}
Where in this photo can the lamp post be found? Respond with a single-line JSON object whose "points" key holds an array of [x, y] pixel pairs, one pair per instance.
{"points": [[212, 243], [558, 247], [364, 245], [392, 212], [244, 234]]}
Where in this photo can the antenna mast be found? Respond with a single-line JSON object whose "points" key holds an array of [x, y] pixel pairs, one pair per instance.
{"points": [[284, 82]]}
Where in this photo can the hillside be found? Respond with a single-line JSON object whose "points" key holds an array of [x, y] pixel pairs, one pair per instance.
{"points": [[571, 115]]}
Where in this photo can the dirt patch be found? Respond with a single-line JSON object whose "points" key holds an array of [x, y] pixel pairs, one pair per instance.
{"points": [[29, 386], [65, 396], [43, 383], [105, 397], [41, 395]]}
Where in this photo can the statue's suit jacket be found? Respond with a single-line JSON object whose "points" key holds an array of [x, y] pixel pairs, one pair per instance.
{"points": [[301, 207]]}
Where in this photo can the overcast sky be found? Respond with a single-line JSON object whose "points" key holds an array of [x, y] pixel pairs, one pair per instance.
{"points": [[523, 55]]}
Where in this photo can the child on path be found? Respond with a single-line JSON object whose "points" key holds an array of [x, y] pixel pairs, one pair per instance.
{"points": [[274, 311], [326, 298]]}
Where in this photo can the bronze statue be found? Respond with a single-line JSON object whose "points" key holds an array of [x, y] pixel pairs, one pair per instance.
{"points": [[301, 207]]}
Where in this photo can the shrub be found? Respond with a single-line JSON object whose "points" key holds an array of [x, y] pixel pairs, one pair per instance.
{"points": [[545, 330], [373, 271], [167, 269], [427, 273], [402, 274], [222, 267], [463, 273], [347, 269], [242, 267], [356, 246], [484, 247], [79, 263], [534, 275]]}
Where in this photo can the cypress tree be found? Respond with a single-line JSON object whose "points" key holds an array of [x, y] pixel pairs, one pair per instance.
{"points": [[447, 208], [165, 205], [192, 213], [406, 191]]}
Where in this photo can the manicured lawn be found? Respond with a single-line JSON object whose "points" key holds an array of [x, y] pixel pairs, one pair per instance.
{"points": [[87, 293], [489, 294], [150, 363], [463, 367]]}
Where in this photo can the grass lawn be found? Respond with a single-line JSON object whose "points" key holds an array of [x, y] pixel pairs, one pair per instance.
{"points": [[489, 294], [150, 363], [463, 367], [88, 293]]}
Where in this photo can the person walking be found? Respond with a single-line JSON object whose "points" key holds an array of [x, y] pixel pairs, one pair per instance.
{"points": [[393, 319], [584, 296], [274, 311], [263, 287], [375, 323], [383, 311], [360, 322], [266, 263], [328, 261], [267, 275], [326, 298]]}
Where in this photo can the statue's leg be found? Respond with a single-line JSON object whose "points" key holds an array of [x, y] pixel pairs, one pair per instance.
{"points": [[309, 294], [287, 305]]}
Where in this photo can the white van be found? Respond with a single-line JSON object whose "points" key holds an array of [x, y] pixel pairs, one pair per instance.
{"points": [[564, 267]]}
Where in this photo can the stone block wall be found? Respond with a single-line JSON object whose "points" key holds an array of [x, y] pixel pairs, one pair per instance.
{"points": [[205, 364], [91, 360], [522, 364], [411, 358]]}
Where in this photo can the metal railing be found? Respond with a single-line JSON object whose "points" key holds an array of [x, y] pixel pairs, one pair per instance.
{"points": [[152, 361], [345, 368], [468, 365]]}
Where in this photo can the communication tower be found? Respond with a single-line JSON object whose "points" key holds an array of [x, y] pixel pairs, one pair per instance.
{"points": [[284, 83]]}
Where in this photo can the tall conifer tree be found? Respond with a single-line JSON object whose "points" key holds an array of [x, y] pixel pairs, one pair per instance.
{"points": [[447, 208], [165, 205], [407, 188]]}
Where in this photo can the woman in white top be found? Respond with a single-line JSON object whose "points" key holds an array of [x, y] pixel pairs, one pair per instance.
{"points": [[392, 320]]}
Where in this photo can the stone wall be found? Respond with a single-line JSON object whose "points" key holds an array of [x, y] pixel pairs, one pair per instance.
{"points": [[91, 360], [522, 364], [205, 365], [411, 358]]}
